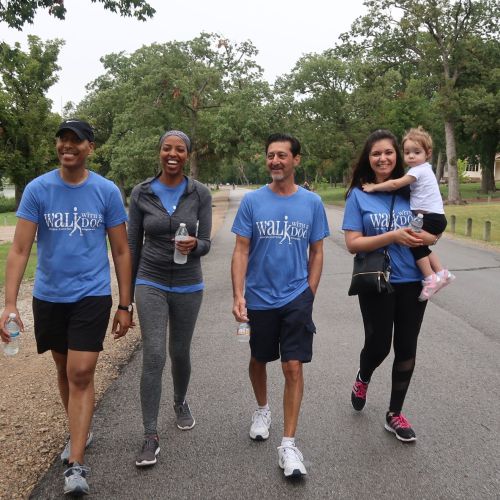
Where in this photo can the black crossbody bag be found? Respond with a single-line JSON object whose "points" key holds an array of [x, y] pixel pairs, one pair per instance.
{"points": [[371, 271]]}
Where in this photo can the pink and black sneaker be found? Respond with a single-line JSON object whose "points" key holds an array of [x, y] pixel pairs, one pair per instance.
{"points": [[358, 394], [399, 425]]}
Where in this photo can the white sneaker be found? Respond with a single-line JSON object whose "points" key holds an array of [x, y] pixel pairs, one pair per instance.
{"points": [[66, 451], [261, 421], [290, 460]]}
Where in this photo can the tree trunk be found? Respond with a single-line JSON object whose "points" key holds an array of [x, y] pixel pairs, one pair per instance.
{"points": [[193, 165], [488, 176], [439, 166], [241, 172], [451, 155], [18, 192]]}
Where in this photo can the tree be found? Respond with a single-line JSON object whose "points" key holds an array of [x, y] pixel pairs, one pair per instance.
{"points": [[182, 85], [18, 12], [27, 123], [434, 35], [480, 108], [240, 127]]}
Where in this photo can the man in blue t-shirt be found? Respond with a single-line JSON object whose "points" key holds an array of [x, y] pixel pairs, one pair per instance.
{"points": [[72, 210], [276, 268]]}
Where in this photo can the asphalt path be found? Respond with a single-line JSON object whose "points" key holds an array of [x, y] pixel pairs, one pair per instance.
{"points": [[453, 401]]}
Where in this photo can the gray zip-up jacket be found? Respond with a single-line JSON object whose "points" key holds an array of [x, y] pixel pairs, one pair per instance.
{"points": [[151, 232]]}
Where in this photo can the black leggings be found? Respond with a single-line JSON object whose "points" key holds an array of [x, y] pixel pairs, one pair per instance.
{"points": [[381, 313]]}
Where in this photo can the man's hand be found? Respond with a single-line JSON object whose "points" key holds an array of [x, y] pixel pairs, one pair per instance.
{"points": [[240, 310], [121, 323], [4, 334]]}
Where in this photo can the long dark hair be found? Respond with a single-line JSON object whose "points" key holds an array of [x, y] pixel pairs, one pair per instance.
{"points": [[362, 172]]}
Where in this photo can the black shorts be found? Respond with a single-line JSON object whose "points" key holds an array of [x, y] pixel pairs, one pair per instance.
{"points": [[79, 326], [287, 331], [433, 224]]}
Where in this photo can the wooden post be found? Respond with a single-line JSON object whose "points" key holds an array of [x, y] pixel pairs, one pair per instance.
{"points": [[453, 221], [487, 231], [468, 227]]}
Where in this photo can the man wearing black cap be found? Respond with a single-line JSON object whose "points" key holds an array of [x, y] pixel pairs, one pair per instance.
{"points": [[72, 210]]}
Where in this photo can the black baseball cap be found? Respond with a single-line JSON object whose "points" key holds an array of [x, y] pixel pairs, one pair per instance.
{"points": [[82, 129]]}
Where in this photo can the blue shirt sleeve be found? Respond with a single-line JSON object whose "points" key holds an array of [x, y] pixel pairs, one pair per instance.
{"points": [[353, 216], [29, 207], [115, 213], [243, 225], [320, 229]]}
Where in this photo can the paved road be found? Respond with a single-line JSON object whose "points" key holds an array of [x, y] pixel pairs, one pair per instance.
{"points": [[453, 401]]}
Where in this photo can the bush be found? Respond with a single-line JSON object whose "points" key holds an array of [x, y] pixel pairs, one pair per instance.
{"points": [[7, 204]]}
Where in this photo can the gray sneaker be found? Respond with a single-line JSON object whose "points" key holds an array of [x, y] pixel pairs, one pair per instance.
{"points": [[75, 480], [184, 419], [150, 448], [66, 451]]}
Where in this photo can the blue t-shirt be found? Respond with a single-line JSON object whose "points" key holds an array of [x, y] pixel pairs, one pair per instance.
{"points": [[368, 213], [280, 228], [169, 196], [72, 222]]}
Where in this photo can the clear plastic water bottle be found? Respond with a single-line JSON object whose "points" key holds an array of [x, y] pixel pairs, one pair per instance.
{"points": [[243, 332], [180, 235], [416, 223], [12, 348]]}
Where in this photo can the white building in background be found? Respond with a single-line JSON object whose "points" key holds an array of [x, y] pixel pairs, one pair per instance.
{"points": [[474, 171], [8, 190]]}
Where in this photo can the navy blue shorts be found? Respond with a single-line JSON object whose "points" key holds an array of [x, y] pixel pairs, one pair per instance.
{"points": [[287, 331], [79, 326]]}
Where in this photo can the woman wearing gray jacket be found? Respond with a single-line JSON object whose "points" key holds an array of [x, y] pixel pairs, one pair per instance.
{"points": [[167, 293]]}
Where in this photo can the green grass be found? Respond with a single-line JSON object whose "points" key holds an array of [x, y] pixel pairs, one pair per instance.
{"points": [[8, 219], [331, 195], [470, 191], [479, 213], [30, 268]]}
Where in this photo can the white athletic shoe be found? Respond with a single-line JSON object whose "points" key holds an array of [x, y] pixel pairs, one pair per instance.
{"points": [[290, 460], [261, 421], [66, 451]]}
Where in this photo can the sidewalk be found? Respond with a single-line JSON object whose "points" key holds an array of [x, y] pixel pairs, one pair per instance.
{"points": [[348, 455]]}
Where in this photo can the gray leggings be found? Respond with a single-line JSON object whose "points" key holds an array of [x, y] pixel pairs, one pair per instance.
{"points": [[155, 309]]}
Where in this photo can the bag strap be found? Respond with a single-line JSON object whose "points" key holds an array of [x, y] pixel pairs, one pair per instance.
{"points": [[386, 251]]}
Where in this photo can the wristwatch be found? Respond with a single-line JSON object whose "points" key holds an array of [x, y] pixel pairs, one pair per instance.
{"points": [[128, 308]]}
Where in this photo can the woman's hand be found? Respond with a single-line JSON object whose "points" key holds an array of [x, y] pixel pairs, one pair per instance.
{"points": [[405, 236], [186, 246]]}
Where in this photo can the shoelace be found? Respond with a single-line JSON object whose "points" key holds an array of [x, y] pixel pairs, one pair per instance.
{"points": [[400, 422], [260, 417], [182, 409], [360, 389], [79, 470], [292, 453], [149, 444]]}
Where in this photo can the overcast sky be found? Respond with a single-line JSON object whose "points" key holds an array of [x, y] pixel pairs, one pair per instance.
{"points": [[282, 31]]}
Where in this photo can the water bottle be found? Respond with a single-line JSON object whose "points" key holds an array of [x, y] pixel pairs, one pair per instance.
{"points": [[243, 332], [180, 235], [12, 348], [416, 223]]}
